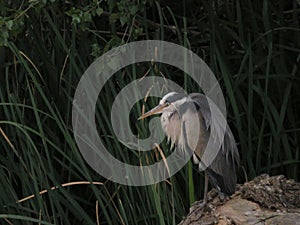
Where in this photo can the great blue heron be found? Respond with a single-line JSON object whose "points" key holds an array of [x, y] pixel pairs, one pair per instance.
{"points": [[177, 108]]}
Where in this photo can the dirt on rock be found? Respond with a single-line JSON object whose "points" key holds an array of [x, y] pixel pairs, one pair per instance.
{"points": [[264, 200]]}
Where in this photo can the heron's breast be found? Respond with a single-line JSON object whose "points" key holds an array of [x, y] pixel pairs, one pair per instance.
{"points": [[171, 124]]}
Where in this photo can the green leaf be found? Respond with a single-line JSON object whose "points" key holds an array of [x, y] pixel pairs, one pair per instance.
{"points": [[87, 17], [10, 24], [113, 17], [99, 11], [133, 9], [123, 20]]}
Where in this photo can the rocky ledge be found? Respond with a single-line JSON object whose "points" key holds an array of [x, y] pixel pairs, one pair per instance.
{"points": [[262, 201]]}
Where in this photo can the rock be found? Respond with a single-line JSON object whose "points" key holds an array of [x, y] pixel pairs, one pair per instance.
{"points": [[285, 219], [265, 200], [273, 192]]}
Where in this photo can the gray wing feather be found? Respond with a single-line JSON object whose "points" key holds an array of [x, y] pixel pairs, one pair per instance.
{"points": [[202, 102], [222, 170]]}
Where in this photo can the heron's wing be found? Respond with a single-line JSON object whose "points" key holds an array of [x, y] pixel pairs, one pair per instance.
{"points": [[223, 168], [222, 131], [201, 101], [204, 107]]}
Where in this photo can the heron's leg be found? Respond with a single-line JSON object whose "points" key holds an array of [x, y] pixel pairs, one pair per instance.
{"points": [[205, 187], [204, 201]]}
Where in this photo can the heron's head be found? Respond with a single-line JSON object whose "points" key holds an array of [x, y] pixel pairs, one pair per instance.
{"points": [[170, 102]]}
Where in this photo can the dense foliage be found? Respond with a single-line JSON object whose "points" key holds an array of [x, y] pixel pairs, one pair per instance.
{"points": [[253, 47]]}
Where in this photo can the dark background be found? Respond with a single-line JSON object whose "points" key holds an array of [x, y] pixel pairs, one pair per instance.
{"points": [[253, 48]]}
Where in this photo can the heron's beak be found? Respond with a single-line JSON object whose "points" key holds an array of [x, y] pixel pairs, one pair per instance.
{"points": [[156, 110]]}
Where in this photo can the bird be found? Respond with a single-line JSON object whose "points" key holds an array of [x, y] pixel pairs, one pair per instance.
{"points": [[178, 112]]}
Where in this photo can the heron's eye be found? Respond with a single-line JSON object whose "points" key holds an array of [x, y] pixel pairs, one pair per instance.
{"points": [[168, 103]]}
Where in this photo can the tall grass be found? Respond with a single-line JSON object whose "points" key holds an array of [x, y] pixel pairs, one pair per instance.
{"points": [[253, 47]]}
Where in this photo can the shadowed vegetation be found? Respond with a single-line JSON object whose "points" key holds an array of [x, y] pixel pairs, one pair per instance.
{"points": [[253, 48]]}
